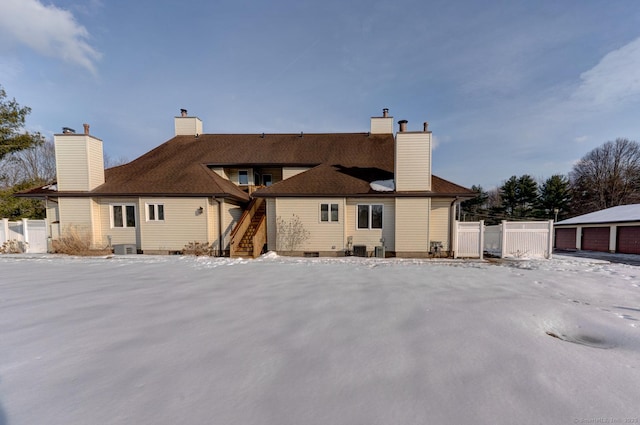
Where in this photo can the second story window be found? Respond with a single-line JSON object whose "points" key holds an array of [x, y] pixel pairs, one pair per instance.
{"points": [[243, 177]]}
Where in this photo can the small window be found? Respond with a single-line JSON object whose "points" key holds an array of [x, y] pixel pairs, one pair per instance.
{"points": [[243, 177], [329, 213], [155, 212], [267, 179], [370, 216], [123, 215]]}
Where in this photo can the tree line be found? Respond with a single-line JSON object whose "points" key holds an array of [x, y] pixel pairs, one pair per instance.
{"points": [[607, 176]]}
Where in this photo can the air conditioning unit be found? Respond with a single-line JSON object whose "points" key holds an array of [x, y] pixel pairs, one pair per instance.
{"points": [[125, 249], [380, 252]]}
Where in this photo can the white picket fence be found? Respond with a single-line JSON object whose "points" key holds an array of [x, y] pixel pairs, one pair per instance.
{"points": [[515, 239], [30, 234]]}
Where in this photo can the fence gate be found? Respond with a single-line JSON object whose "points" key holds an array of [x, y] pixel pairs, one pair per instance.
{"points": [[468, 239], [32, 233]]}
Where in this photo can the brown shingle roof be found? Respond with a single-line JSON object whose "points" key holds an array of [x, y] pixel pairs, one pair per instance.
{"points": [[342, 164], [179, 165]]}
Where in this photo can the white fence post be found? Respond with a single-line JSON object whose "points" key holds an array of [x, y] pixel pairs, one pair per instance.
{"points": [[5, 230], [454, 242], [25, 234], [481, 239], [551, 236], [503, 234]]}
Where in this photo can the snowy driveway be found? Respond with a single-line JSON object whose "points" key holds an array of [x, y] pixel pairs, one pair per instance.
{"points": [[179, 340]]}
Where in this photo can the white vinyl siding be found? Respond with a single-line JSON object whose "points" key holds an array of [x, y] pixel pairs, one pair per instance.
{"points": [[439, 222], [413, 161], [79, 162], [322, 238], [231, 216], [79, 215], [381, 125], [288, 172], [119, 235], [183, 223], [412, 224], [96, 162], [371, 237], [188, 126]]}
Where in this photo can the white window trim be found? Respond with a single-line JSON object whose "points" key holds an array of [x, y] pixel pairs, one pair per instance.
{"points": [[370, 209], [124, 215], [155, 207], [328, 212]]}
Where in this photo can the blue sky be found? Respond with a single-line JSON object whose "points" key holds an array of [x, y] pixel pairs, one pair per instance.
{"points": [[508, 87]]}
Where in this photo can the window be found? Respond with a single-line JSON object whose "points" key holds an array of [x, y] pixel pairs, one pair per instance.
{"points": [[328, 213], [266, 179], [155, 212], [243, 177], [370, 216], [123, 215]]}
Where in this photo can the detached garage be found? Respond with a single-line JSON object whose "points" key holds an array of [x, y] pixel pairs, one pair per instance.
{"points": [[615, 229]]}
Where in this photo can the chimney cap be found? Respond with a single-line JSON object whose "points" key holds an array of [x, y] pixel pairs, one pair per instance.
{"points": [[385, 112], [183, 112], [68, 130], [86, 128]]}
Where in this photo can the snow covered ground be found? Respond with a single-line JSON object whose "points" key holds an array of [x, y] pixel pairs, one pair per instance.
{"points": [[184, 340]]}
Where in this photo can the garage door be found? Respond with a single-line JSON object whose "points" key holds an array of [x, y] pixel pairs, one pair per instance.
{"points": [[566, 238], [595, 239], [628, 240]]}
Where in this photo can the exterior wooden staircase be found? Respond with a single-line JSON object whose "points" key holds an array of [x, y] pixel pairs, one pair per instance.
{"points": [[250, 234]]}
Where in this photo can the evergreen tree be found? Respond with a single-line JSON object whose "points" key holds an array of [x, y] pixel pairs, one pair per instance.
{"points": [[13, 138], [475, 209], [519, 196], [555, 194]]}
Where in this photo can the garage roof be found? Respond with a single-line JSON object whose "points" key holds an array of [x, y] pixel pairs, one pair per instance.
{"points": [[621, 213]]}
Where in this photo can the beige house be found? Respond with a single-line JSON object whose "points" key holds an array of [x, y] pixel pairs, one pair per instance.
{"points": [[300, 194]]}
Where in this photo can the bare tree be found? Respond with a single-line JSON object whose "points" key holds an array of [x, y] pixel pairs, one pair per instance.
{"points": [[36, 164], [607, 176], [291, 233], [110, 161]]}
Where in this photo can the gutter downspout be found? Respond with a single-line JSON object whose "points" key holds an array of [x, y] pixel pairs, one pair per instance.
{"points": [[219, 226]]}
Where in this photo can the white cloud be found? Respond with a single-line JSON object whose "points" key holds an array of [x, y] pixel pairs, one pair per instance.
{"points": [[48, 30], [613, 80], [580, 139]]}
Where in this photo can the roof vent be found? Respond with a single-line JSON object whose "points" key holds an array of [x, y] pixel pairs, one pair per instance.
{"points": [[86, 128], [403, 125], [426, 126], [183, 112], [385, 113], [68, 130]]}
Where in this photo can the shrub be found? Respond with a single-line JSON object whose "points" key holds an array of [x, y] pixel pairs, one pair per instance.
{"points": [[198, 249], [13, 247], [76, 242], [290, 233]]}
